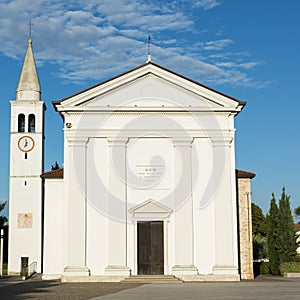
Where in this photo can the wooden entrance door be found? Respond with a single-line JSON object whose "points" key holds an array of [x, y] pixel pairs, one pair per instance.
{"points": [[150, 248]]}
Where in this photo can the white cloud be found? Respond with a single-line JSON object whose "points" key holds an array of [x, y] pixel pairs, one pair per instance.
{"points": [[217, 45], [248, 65], [96, 39], [206, 4]]}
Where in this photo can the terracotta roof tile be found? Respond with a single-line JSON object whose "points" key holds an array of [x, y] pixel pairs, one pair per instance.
{"points": [[58, 173], [244, 174], [297, 227]]}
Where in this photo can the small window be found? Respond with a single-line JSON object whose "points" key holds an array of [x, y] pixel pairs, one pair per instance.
{"points": [[31, 123], [21, 123]]}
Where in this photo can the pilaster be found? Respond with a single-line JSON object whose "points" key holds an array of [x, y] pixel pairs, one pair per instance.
{"points": [[117, 208], [184, 221], [226, 261], [75, 178]]}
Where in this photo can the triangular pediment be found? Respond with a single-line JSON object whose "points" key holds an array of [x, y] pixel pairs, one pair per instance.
{"points": [[150, 206], [150, 209], [149, 87]]}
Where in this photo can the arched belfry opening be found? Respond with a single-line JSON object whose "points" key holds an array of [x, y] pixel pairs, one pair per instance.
{"points": [[31, 123], [21, 123]]}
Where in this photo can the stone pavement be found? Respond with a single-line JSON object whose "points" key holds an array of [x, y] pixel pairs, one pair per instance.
{"points": [[12, 288], [267, 288], [264, 289], [9, 280]]}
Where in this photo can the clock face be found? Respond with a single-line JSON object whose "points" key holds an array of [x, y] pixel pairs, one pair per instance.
{"points": [[26, 143]]}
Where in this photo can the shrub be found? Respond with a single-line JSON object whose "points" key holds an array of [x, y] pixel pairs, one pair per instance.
{"points": [[264, 268], [289, 267]]}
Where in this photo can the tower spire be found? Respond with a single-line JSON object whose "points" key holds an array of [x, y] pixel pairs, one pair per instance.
{"points": [[29, 84]]}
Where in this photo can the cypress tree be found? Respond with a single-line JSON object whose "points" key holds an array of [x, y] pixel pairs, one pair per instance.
{"points": [[272, 236], [286, 241]]}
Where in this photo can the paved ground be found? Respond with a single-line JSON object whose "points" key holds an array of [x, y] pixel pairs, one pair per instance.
{"points": [[267, 288], [13, 288]]}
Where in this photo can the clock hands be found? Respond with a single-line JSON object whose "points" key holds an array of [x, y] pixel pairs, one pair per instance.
{"points": [[26, 143]]}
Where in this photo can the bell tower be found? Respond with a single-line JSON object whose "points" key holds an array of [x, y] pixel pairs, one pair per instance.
{"points": [[26, 166]]}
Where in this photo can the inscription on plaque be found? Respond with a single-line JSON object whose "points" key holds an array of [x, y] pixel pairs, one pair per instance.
{"points": [[150, 173], [25, 220]]}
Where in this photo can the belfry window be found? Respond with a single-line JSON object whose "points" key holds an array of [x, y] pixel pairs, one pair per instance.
{"points": [[21, 123], [31, 123]]}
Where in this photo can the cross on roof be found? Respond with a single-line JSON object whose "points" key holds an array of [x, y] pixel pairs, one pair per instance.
{"points": [[30, 24], [149, 54]]}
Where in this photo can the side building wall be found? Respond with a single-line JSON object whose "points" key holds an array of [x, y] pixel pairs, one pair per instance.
{"points": [[245, 223], [54, 225]]}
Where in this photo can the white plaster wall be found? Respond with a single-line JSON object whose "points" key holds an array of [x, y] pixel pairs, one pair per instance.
{"points": [[203, 207], [151, 134], [103, 123], [144, 153], [32, 166], [171, 242], [26, 107], [54, 227], [24, 241], [75, 197], [97, 205], [225, 210], [25, 187], [140, 150]]}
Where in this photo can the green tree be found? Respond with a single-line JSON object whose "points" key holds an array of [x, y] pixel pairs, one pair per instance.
{"points": [[260, 247], [259, 222], [272, 236], [3, 219], [55, 166], [286, 241], [259, 233], [297, 212]]}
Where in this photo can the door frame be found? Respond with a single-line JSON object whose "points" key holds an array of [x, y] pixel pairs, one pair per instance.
{"points": [[148, 211]]}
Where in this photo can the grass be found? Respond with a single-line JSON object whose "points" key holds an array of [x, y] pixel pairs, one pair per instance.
{"points": [[4, 269]]}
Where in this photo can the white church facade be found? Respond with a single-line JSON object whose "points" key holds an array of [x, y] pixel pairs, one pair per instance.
{"points": [[148, 186]]}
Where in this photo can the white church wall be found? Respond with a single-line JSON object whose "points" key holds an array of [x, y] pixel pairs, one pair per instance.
{"points": [[225, 209], [97, 205], [111, 149], [150, 175], [96, 240], [150, 170], [171, 243], [75, 197], [143, 144], [54, 229], [203, 206]]}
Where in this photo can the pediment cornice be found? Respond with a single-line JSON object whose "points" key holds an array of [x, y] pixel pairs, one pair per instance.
{"points": [[210, 98]]}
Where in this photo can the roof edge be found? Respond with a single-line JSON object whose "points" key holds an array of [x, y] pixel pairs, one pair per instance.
{"points": [[53, 174], [57, 102]]}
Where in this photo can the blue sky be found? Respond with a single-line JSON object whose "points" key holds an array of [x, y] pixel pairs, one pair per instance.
{"points": [[248, 49]]}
